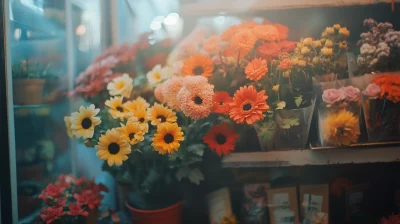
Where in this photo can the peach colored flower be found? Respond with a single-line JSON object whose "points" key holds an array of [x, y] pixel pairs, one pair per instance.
{"points": [[286, 64], [170, 90], [196, 103], [243, 41], [266, 32], [158, 92], [211, 45], [268, 50], [256, 69]]}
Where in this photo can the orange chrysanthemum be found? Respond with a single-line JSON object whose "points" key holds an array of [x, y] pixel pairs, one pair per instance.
{"points": [[283, 31], [196, 103], [198, 64], [266, 32], [229, 33], [287, 46], [221, 139], [256, 69], [248, 24], [248, 105], [243, 41], [286, 64], [341, 128], [268, 50], [390, 86], [211, 45], [221, 102], [170, 91]]}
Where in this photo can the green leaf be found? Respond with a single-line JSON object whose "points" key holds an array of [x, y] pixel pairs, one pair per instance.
{"points": [[197, 149], [182, 173], [196, 176], [285, 126], [294, 121], [150, 179], [298, 100]]}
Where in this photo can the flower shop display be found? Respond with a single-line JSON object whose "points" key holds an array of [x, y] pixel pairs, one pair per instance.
{"points": [[71, 200], [255, 205], [381, 104], [339, 116]]}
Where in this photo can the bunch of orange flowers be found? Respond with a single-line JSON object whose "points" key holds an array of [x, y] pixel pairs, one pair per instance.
{"points": [[390, 86]]}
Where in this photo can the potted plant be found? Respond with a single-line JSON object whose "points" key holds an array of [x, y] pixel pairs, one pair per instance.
{"points": [[71, 200], [28, 82]]}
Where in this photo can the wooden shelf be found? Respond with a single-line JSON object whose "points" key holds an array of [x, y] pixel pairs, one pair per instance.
{"points": [[210, 7], [308, 157]]}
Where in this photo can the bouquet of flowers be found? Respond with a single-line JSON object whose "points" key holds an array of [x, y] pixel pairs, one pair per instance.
{"points": [[325, 58], [379, 48], [71, 199], [339, 116], [381, 108]]}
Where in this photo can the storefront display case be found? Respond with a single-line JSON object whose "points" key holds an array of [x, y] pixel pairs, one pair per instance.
{"points": [[200, 111]]}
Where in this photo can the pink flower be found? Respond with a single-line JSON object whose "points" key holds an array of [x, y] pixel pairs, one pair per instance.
{"points": [[352, 93], [372, 90], [75, 210], [170, 91], [331, 96], [158, 93]]}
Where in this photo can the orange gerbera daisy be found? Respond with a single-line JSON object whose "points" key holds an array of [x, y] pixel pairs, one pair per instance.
{"points": [[268, 50], [198, 64], [243, 41], [256, 69], [341, 128], [266, 32], [229, 33], [221, 139], [248, 105], [221, 102], [283, 31], [286, 64], [211, 45]]}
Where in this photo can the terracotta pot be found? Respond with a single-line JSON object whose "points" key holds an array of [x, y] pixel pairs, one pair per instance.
{"points": [[122, 194], [170, 215], [28, 91]]}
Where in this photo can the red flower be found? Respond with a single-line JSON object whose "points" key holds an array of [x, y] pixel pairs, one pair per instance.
{"points": [[221, 139], [80, 181], [393, 219], [50, 214], [51, 191], [65, 181], [268, 50], [61, 202], [221, 102], [76, 210], [89, 198], [287, 46]]}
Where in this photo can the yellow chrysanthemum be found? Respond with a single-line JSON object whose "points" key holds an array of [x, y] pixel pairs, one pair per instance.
{"points": [[341, 128], [117, 108], [132, 131], [137, 104], [141, 116], [159, 114], [84, 121], [231, 219], [121, 86], [68, 124], [113, 147], [167, 138]]}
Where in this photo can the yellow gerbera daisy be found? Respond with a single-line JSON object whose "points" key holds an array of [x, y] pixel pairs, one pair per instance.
{"points": [[341, 128], [167, 138], [113, 147], [137, 104], [68, 124], [84, 121], [117, 108], [159, 114], [141, 116], [121, 86], [132, 131]]}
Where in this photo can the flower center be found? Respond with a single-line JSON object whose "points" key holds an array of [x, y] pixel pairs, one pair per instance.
{"points": [[197, 100], [221, 103], [161, 118], [340, 130], [141, 120], [157, 76], [198, 70], [113, 148], [220, 139], [120, 109], [247, 107], [168, 138], [119, 85], [86, 123], [131, 136]]}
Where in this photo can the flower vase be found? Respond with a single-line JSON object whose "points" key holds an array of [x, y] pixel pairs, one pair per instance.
{"points": [[293, 126], [266, 133], [169, 215], [382, 119]]}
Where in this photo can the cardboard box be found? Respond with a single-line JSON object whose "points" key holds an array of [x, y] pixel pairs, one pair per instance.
{"points": [[219, 205], [314, 203], [283, 206]]}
